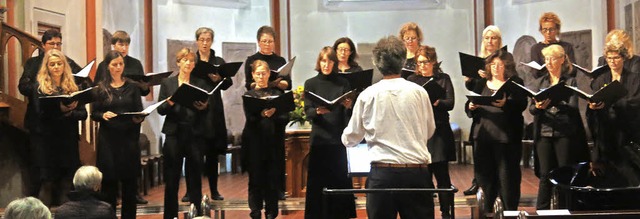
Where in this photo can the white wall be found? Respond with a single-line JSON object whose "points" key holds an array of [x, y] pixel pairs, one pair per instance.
{"points": [[516, 20], [449, 29]]}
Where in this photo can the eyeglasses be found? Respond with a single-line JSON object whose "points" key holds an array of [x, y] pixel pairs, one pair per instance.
{"points": [[344, 50], [553, 59], [410, 39], [266, 41], [548, 30], [614, 58], [58, 44], [423, 63], [203, 40]]}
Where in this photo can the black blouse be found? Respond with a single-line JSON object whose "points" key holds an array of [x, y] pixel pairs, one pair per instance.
{"points": [[327, 128], [441, 111], [561, 120]]}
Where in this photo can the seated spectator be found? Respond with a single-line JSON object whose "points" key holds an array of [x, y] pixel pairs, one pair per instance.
{"points": [[27, 208], [82, 201]]}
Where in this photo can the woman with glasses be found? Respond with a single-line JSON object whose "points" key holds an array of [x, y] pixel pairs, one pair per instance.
{"points": [[550, 29], [558, 136], [347, 55], [441, 145], [497, 133], [632, 61], [266, 43], [613, 125], [411, 34], [263, 146]]}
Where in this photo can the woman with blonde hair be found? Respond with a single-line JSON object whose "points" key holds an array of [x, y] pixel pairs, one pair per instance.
{"points": [[56, 134], [632, 61]]}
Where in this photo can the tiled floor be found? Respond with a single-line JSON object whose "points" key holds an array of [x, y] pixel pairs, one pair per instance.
{"points": [[234, 187]]}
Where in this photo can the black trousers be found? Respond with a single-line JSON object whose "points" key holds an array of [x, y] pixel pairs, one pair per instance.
{"points": [[440, 170], [129, 191], [408, 205], [210, 169], [176, 147], [552, 153], [264, 186], [497, 169]]}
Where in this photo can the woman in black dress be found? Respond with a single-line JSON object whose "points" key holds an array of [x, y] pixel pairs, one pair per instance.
{"points": [[263, 146], [441, 145], [183, 127], [118, 151], [347, 55], [614, 125], [497, 133], [56, 132], [328, 156], [558, 136]]}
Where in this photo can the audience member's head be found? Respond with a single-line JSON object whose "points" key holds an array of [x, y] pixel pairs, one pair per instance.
{"points": [[389, 55], [27, 208], [87, 178]]}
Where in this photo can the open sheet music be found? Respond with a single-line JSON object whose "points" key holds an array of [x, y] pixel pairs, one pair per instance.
{"points": [[187, 94], [434, 90], [479, 99], [82, 96], [227, 70], [609, 94], [142, 113], [329, 104], [285, 70], [282, 103]]}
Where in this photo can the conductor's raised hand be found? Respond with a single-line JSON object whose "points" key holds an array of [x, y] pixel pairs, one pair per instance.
{"points": [[108, 115]]}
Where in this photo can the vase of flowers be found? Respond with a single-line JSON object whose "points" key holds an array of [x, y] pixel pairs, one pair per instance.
{"points": [[297, 116]]}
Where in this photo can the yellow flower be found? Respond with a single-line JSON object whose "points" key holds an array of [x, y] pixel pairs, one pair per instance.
{"points": [[298, 115]]}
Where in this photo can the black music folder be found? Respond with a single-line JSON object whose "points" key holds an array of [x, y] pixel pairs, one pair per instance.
{"points": [[470, 64], [407, 72], [187, 94], [285, 70], [435, 90], [609, 94], [82, 96], [478, 99], [555, 93], [359, 80], [142, 113], [593, 72], [226, 70], [329, 104], [282, 103], [84, 73], [151, 78]]}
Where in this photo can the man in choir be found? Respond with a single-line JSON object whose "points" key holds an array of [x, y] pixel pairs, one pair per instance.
{"points": [[214, 122], [399, 158], [51, 39], [266, 42], [550, 29], [120, 42], [83, 202]]}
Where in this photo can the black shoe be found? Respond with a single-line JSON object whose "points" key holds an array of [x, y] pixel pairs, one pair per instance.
{"points": [[446, 215], [140, 200], [472, 190], [185, 198], [282, 196], [217, 196]]}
